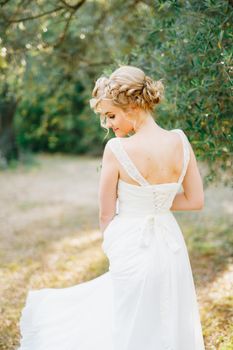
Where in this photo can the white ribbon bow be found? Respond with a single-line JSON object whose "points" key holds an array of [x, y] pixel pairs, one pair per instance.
{"points": [[149, 227]]}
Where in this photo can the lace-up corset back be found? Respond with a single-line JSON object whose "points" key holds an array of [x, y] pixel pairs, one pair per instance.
{"points": [[146, 198]]}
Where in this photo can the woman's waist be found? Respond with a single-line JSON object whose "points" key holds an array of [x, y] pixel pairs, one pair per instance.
{"points": [[140, 213]]}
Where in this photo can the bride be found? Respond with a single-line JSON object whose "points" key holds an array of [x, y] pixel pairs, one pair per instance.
{"points": [[147, 298]]}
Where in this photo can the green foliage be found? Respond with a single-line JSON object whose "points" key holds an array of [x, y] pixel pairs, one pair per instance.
{"points": [[189, 44], [51, 62]]}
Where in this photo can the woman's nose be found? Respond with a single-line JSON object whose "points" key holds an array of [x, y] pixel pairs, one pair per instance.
{"points": [[109, 124]]}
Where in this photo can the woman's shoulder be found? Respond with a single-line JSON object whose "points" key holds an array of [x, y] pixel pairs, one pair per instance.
{"points": [[182, 133], [112, 142]]}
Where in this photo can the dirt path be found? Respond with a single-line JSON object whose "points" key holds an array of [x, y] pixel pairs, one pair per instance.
{"points": [[49, 237]]}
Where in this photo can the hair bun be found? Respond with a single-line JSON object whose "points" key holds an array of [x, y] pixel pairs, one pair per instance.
{"points": [[153, 91]]}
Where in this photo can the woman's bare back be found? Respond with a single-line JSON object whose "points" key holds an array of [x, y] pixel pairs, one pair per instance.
{"points": [[158, 157]]}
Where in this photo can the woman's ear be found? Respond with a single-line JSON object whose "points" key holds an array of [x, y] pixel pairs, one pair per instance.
{"points": [[131, 111], [132, 108]]}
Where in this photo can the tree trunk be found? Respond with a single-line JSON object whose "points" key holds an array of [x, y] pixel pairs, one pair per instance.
{"points": [[8, 146]]}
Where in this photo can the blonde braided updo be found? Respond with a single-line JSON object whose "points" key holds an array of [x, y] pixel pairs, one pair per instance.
{"points": [[128, 85]]}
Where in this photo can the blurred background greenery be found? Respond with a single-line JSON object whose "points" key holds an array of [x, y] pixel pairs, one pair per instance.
{"points": [[51, 53]]}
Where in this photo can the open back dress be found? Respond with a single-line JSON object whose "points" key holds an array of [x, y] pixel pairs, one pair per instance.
{"points": [[146, 300]]}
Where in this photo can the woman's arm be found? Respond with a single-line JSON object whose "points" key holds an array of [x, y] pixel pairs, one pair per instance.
{"points": [[192, 198], [107, 195]]}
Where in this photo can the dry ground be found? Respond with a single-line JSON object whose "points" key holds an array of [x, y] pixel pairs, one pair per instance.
{"points": [[49, 237]]}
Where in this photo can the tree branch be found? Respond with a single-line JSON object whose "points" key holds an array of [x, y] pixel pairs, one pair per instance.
{"points": [[34, 17], [63, 35], [65, 31], [73, 7]]}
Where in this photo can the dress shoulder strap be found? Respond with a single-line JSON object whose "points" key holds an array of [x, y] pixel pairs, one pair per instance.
{"points": [[123, 158], [186, 153]]}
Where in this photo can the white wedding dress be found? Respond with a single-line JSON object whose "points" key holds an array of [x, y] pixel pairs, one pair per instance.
{"points": [[147, 299]]}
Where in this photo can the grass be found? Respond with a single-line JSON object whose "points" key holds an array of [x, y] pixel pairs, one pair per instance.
{"points": [[50, 238]]}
